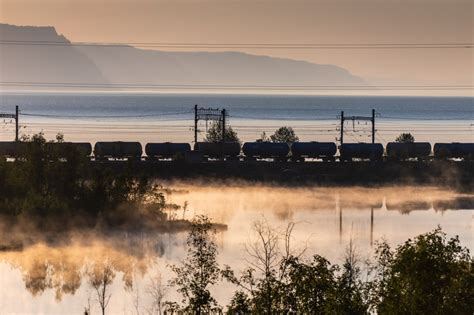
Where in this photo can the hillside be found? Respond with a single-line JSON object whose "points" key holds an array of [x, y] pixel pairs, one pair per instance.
{"points": [[126, 64]]}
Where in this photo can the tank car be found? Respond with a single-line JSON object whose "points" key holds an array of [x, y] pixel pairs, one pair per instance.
{"points": [[214, 150], [63, 149], [364, 151], [11, 149], [454, 150], [264, 150], [315, 150], [118, 150], [167, 150], [410, 150]]}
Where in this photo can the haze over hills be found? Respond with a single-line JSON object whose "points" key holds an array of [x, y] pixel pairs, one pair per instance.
{"points": [[129, 65]]}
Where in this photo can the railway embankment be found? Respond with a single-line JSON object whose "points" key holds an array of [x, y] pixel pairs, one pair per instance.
{"points": [[455, 174]]}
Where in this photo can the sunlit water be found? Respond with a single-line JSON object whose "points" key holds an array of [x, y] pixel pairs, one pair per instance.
{"points": [[169, 117], [52, 277]]}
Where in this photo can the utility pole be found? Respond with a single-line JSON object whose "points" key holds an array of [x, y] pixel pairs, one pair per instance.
{"points": [[195, 123], [207, 114], [16, 123], [223, 133], [359, 118], [223, 125], [342, 128], [373, 126], [16, 117]]}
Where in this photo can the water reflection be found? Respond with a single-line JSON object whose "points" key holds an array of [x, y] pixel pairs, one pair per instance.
{"points": [[76, 264]]}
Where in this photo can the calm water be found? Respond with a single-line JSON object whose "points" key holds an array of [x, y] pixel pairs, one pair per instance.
{"points": [[154, 117], [51, 276]]}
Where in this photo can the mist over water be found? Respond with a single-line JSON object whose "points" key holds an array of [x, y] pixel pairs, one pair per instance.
{"points": [[52, 275]]}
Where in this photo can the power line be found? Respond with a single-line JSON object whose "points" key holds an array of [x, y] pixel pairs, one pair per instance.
{"points": [[104, 116], [207, 45], [231, 87], [424, 118]]}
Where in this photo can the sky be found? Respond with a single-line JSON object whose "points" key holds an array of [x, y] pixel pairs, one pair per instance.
{"points": [[281, 21]]}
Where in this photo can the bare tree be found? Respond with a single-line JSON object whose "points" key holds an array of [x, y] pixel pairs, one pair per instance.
{"points": [[157, 290], [269, 254], [100, 278]]}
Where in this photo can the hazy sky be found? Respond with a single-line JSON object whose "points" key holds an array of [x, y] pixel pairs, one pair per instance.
{"points": [[325, 21]]}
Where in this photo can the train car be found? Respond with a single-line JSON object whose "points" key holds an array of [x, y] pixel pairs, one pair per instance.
{"points": [[265, 150], [215, 150], [454, 150], [167, 150], [362, 151], [314, 150], [64, 149], [13, 149], [411, 150], [117, 150]]}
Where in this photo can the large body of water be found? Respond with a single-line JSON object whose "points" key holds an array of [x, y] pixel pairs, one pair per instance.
{"points": [[51, 276], [169, 117]]}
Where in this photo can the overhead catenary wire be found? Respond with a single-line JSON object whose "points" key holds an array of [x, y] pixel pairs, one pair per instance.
{"points": [[239, 87], [230, 45]]}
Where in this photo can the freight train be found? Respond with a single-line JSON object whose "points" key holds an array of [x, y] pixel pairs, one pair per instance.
{"points": [[250, 151]]}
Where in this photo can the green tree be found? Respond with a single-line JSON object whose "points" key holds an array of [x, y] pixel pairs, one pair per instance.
{"points": [[284, 134], [240, 304], [214, 133], [405, 138], [199, 270], [310, 286], [350, 290], [427, 275]]}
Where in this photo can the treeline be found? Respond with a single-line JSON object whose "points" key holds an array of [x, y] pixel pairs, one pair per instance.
{"points": [[429, 274], [46, 183]]}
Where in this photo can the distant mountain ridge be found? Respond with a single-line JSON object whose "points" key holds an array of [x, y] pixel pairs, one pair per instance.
{"points": [[130, 65]]}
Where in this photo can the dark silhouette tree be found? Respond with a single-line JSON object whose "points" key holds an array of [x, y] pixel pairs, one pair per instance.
{"points": [[284, 134], [427, 275], [214, 133], [199, 271], [405, 138]]}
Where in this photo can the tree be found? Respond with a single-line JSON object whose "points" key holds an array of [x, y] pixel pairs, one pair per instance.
{"points": [[427, 275], [240, 304], [311, 286], [214, 133], [349, 287], [265, 280], [263, 138], [100, 278], [157, 291], [405, 138], [199, 270], [284, 134]]}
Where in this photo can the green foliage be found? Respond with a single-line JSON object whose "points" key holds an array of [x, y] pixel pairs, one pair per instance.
{"points": [[427, 275], [350, 290], [405, 138], [284, 134], [214, 133], [199, 270], [310, 287], [57, 180], [240, 304]]}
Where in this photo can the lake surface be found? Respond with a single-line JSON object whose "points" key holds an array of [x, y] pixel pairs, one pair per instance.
{"points": [[51, 276], [169, 117]]}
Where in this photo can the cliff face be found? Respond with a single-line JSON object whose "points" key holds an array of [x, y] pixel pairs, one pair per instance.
{"points": [[124, 64], [43, 63]]}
